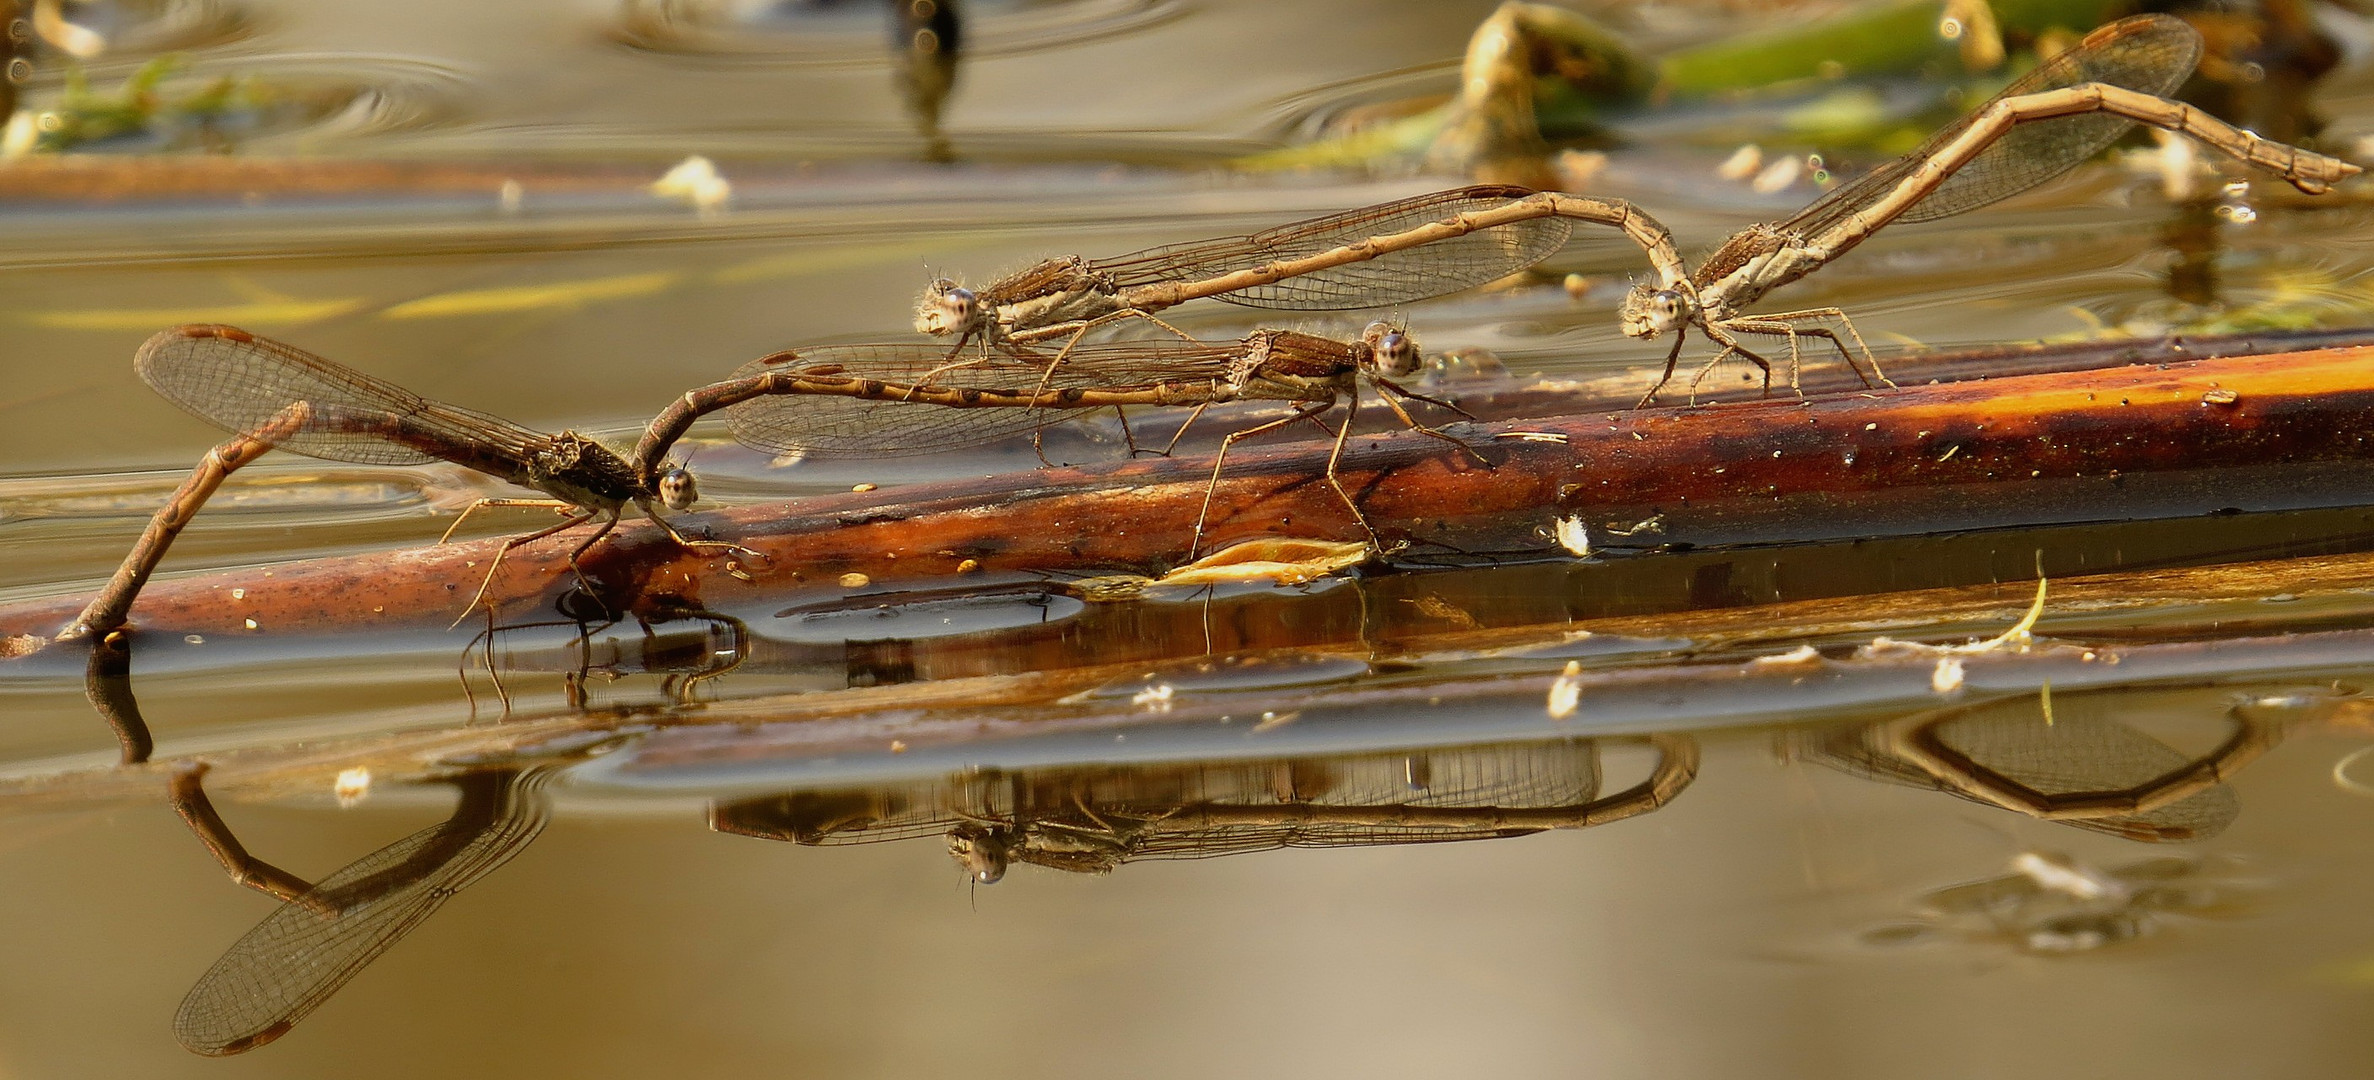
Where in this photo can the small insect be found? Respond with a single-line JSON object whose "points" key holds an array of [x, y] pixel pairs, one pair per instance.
{"points": [[883, 400], [1376, 256], [2042, 125], [277, 396]]}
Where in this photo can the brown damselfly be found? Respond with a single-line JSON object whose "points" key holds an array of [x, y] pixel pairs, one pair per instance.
{"points": [[1376, 256], [276, 396], [1094, 819], [887, 400], [2043, 125]]}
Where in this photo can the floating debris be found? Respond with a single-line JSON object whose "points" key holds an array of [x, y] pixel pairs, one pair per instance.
{"points": [[1287, 562], [1566, 691], [1800, 656], [695, 182], [1572, 536], [1743, 163], [1947, 677], [352, 786], [1778, 176], [1155, 698]]}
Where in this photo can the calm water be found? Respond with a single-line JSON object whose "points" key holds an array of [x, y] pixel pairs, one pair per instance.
{"points": [[1833, 863]]}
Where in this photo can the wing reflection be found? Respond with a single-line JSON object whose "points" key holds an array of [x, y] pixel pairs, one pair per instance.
{"points": [[1092, 819], [328, 932], [2078, 765]]}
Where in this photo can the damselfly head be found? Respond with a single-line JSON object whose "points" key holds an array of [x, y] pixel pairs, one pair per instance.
{"points": [[947, 308], [983, 851], [676, 487], [1392, 350], [1647, 312]]}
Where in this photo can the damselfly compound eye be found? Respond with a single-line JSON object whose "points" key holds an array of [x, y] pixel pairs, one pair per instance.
{"points": [[947, 308], [960, 304], [982, 853], [1397, 354], [677, 489]]}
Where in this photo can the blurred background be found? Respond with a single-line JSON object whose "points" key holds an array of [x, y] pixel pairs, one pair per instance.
{"points": [[566, 212]]}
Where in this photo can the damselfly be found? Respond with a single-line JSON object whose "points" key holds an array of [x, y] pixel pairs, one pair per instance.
{"points": [[1376, 256], [2042, 125], [882, 400], [277, 396]]}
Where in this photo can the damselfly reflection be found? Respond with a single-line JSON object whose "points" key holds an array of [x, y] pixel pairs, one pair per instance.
{"points": [[2078, 765], [326, 932], [1092, 819]]}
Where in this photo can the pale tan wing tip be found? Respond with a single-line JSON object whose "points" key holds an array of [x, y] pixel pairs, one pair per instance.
{"points": [[144, 359]]}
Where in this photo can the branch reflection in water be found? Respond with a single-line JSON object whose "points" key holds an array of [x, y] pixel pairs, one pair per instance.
{"points": [[2107, 760], [2099, 762], [1092, 819]]}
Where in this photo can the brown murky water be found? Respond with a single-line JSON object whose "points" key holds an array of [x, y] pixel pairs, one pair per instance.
{"points": [[1734, 837]]}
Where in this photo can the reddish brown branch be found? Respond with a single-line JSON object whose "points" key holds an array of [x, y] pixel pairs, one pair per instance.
{"points": [[2140, 440]]}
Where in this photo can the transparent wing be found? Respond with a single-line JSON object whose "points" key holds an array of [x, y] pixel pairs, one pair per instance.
{"points": [[307, 949], [2149, 54], [875, 421], [247, 384], [1445, 266]]}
